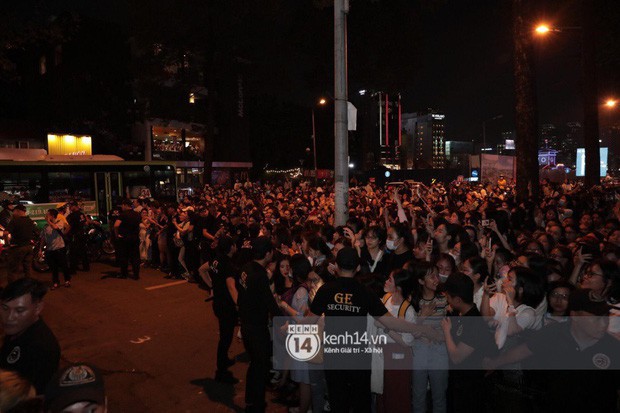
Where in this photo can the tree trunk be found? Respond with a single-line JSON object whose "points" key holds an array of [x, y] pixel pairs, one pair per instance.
{"points": [[525, 103], [590, 93]]}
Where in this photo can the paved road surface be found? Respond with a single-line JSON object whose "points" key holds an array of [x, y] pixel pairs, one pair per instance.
{"points": [[155, 346]]}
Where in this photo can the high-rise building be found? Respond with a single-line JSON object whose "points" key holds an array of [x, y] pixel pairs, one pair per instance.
{"points": [[428, 132], [381, 141], [549, 137], [567, 147], [458, 153]]}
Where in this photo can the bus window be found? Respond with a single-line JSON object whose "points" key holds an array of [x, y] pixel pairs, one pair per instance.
{"points": [[164, 184], [24, 185], [70, 185], [135, 183]]}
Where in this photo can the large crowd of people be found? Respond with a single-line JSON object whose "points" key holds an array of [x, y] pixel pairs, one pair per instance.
{"points": [[463, 279]]}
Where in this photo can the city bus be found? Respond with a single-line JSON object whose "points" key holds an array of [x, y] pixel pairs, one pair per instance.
{"points": [[97, 182]]}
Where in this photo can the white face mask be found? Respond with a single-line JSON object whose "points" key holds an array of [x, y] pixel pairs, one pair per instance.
{"points": [[389, 244], [443, 278]]}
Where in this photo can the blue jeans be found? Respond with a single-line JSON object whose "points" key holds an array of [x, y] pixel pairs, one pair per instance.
{"points": [[430, 364]]}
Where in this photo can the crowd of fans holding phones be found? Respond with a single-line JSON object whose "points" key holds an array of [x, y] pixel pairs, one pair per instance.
{"points": [[458, 275], [423, 253]]}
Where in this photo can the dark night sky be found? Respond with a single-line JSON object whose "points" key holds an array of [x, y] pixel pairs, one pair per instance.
{"points": [[453, 55]]}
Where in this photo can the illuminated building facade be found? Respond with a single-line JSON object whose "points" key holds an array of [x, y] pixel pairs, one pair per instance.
{"points": [[429, 141]]}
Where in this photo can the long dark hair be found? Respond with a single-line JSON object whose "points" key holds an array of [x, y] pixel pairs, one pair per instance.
{"points": [[418, 271], [402, 280], [402, 231], [278, 279], [533, 286], [479, 266]]}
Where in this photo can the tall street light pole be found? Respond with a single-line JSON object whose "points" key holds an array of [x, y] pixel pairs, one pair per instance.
{"points": [[525, 102], [316, 177], [341, 144], [589, 87]]}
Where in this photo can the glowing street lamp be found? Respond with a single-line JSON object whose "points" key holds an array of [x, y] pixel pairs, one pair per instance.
{"points": [[611, 103], [322, 101], [542, 29]]}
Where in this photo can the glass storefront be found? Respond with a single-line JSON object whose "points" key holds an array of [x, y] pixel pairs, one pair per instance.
{"points": [[177, 144], [190, 177]]}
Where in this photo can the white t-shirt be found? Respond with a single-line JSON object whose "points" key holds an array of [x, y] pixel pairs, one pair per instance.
{"points": [[410, 316], [526, 317], [478, 297]]}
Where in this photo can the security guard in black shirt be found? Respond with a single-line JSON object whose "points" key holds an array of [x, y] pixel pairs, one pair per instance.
{"points": [[256, 302], [223, 275], [77, 221], [127, 228], [29, 346]]}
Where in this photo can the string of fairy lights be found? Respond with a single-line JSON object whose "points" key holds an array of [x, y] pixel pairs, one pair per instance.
{"points": [[294, 172]]}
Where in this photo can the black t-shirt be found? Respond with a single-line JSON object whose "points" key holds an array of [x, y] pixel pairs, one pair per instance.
{"points": [[209, 223], [346, 304], [373, 275], [171, 229], [221, 269], [21, 230], [196, 233], [396, 261], [130, 225], [255, 298], [34, 355], [239, 233], [346, 297], [576, 380], [471, 330], [77, 222]]}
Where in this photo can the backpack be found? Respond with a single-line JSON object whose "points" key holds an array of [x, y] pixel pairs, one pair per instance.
{"points": [[404, 306]]}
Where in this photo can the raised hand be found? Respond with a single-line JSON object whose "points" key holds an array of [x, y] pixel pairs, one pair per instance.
{"points": [[427, 310]]}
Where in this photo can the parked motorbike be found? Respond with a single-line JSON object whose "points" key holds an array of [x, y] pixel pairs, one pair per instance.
{"points": [[98, 242], [39, 263]]}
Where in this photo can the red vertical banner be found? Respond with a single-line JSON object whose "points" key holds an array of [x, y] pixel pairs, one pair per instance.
{"points": [[387, 120]]}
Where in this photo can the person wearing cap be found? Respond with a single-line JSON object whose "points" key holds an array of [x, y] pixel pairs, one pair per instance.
{"points": [[127, 230], [581, 362], [22, 232], [29, 346], [256, 302], [78, 388]]}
